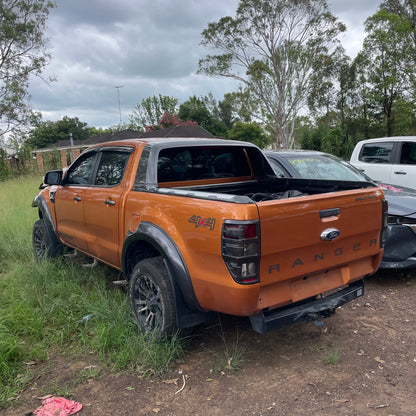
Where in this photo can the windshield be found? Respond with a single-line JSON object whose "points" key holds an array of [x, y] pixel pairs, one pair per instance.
{"points": [[324, 167]]}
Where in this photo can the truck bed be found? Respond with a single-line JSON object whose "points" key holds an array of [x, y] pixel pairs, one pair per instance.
{"points": [[271, 189]]}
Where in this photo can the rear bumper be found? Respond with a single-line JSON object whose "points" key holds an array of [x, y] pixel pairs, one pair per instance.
{"points": [[306, 310], [400, 248]]}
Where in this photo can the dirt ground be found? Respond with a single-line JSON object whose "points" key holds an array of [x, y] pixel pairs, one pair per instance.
{"points": [[370, 343]]}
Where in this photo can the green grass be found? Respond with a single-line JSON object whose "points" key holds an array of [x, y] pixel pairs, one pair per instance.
{"points": [[233, 356], [42, 306], [331, 356]]}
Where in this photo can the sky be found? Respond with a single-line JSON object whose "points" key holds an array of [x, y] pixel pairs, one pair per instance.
{"points": [[145, 48]]}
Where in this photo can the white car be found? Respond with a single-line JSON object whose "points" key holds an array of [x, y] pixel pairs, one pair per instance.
{"points": [[388, 159]]}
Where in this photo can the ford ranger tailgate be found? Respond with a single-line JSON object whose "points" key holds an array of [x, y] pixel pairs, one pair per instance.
{"points": [[310, 245]]}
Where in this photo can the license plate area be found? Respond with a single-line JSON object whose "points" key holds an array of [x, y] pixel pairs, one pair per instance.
{"points": [[323, 284]]}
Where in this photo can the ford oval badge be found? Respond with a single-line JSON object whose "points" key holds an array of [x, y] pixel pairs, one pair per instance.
{"points": [[330, 234]]}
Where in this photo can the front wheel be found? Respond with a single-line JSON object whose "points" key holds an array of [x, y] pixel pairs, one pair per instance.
{"points": [[45, 244], [152, 299]]}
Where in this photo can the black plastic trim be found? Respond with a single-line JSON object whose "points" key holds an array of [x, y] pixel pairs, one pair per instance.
{"points": [[189, 312], [40, 203], [306, 311]]}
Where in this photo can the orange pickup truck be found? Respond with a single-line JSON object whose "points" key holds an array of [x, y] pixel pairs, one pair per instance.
{"points": [[203, 225]]}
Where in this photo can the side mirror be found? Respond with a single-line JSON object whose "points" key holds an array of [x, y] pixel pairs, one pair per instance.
{"points": [[53, 177]]}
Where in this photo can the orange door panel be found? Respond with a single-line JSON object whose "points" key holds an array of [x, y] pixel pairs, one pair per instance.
{"points": [[69, 209], [102, 208], [102, 205]]}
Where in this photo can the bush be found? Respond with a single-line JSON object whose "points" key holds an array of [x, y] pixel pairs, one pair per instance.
{"points": [[4, 168]]}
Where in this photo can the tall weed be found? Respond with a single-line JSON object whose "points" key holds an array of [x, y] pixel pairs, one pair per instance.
{"points": [[61, 305]]}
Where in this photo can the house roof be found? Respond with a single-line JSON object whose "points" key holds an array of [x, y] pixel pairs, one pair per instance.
{"points": [[177, 131]]}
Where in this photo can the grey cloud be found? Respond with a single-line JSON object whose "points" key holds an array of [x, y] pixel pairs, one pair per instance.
{"points": [[149, 47]]}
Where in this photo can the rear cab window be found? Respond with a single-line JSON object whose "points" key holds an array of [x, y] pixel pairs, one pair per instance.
{"points": [[179, 165]]}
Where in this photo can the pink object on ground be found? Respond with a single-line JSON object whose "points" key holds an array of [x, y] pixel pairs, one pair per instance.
{"points": [[58, 406]]}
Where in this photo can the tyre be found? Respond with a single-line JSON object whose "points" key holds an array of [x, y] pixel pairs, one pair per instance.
{"points": [[45, 244], [152, 299]]}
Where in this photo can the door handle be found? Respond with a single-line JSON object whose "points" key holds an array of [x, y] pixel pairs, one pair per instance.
{"points": [[400, 172], [77, 198], [109, 202], [332, 212]]}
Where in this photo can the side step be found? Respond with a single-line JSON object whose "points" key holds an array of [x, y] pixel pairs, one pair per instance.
{"points": [[81, 258]]}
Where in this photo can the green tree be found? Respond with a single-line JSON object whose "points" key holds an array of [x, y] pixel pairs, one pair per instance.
{"points": [[195, 109], [249, 132], [244, 106], [151, 110], [221, 110], [404, 123], [332, 86], [402, 17], [384, 62], [235, 106], [112, 129], [271, 47], [47, 133], [22, 54]]}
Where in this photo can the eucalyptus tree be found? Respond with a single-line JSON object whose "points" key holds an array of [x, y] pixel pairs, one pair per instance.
{"points": [[401, 15], [387, 60], [271, 48], [332, 86], [23, 53]]}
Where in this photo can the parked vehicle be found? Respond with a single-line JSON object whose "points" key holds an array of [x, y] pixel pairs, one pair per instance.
{"points": [[400, 248], [389, 159], [204, 225]]}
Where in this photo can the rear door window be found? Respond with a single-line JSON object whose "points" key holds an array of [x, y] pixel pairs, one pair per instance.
{"points": [[377, 152], [408, 153]]}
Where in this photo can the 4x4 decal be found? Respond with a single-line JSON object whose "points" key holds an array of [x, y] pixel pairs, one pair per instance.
{"points": [[198, 221]]}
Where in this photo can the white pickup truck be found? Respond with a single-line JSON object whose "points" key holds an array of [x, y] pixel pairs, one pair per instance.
{"points": [[387, 159]]}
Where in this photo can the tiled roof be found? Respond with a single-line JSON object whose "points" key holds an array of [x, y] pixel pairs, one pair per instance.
{"points": [[177, 131]]}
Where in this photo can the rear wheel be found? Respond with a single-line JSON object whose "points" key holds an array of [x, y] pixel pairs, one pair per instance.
{"points": [[152, 299], [45, 244]]}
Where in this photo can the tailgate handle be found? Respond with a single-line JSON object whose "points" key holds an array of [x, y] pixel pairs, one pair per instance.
{"points": [[332, 212]]}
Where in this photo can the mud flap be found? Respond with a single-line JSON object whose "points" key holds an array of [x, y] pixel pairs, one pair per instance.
{"points": [[306, 311]]}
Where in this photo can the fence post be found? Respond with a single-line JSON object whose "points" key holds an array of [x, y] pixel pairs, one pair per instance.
{"points": [[63, 158], [39, 161]]}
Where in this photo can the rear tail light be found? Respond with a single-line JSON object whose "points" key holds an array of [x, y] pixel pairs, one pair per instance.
{"points": [[240, 246], [385, 217]]}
